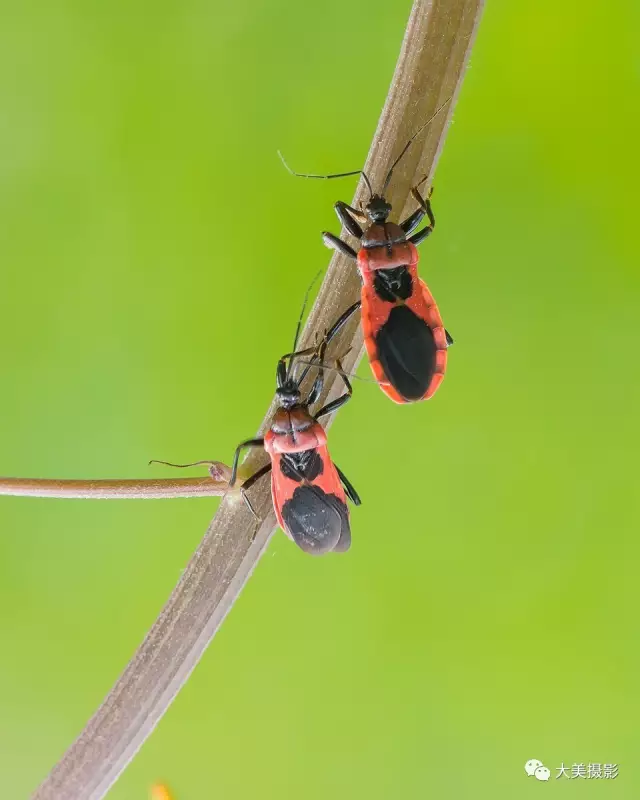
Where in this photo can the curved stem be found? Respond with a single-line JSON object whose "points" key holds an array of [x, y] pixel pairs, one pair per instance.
{"points": [[429, 70]]}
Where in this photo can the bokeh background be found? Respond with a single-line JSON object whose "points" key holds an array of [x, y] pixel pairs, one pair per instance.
{"points": [[154, 254]]}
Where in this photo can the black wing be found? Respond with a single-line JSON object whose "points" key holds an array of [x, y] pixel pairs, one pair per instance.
{"points": [[407, 352], [318, 522]]}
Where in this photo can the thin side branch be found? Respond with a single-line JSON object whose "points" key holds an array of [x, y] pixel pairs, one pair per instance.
{"points": [[160, 488], [429, 71]]}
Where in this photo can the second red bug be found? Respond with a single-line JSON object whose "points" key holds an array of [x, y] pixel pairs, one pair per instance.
{"points": [[308, 490], [404, 335]]}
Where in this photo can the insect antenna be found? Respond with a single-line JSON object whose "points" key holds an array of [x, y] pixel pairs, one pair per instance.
{"points": [[329, 177], [300, 318], [324, 365], [183, 466], [408, 144]]}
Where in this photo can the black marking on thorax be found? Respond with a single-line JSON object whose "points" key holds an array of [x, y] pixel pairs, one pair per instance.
{"points": [[303, 466], [393, 284]]}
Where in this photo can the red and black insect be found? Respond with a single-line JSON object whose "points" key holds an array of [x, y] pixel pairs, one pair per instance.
{"points": [[403, 331], [309, 491]]}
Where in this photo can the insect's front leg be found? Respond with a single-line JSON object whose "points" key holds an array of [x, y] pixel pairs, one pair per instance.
{"points": [[334, 243], [424, 208], [350, 218]]}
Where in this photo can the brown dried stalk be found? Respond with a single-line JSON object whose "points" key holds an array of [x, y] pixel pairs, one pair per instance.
{"points": [[429, 71], [133, 489]]}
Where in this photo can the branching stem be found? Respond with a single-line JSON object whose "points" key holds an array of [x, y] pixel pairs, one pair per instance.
{"points": [[430, 68]]}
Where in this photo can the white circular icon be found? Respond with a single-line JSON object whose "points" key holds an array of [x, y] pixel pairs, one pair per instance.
{"points": [[542, 773], [531, 766]]}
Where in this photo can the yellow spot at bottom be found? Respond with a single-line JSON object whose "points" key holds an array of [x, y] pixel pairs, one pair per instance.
{"points": [[160, 792]]}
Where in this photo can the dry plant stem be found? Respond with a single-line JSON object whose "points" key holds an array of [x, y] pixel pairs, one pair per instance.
{"points": [[113, 490], [429, 70]]}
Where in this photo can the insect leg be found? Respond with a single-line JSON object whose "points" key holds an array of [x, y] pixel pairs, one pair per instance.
{"points": [[334, 405], [412, 221], [318, 384], [346, 216], [334, 243], [419, 237], [282, 373], [348, 487], [236, 457], [342, 319], [249, 483], [255, 477], [425, 207]]}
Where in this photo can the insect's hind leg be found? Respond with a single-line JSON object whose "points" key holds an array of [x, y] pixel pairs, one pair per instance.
{"points": [[316, 390], [334, 405], [348, 487], [342, 319], [249, 483]]}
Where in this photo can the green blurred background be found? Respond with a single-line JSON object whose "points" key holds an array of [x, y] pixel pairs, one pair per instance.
{"points": [[154, 256]]}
